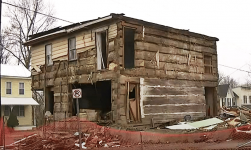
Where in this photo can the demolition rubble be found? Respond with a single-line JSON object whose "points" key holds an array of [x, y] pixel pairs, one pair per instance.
{"points": [[64, 136]]}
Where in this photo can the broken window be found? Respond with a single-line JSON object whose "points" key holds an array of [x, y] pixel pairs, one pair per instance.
{"points": [[101, 45], [133, 103], [72, 49], [129, 48], [208, 64], [48, 55]]}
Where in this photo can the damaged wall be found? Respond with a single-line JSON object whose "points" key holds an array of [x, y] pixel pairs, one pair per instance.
{"points": [[170, 63]]}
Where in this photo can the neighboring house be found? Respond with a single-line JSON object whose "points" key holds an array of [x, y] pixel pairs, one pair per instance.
{"points": [[244, 93], [132, 69], [227, 96], [16, 94]]}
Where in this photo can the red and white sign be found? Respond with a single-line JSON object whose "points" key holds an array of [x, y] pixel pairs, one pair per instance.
{"points": [[77, 93]]}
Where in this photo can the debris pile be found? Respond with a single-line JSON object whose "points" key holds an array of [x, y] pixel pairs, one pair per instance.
{"points": [[90, 138]]}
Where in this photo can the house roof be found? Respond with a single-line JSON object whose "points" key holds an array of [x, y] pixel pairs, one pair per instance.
{"points": [[223, 90], [235, 95], [14, 71], [46, 35]]}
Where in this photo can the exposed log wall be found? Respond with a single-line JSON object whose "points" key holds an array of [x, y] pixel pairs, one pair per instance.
{"points": [[169, 54], [63, 73]]}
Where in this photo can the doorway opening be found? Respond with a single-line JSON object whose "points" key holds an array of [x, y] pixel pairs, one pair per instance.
{"points": [[96, 98]]}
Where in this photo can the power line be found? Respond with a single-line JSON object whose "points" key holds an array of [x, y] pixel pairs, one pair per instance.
{"points": [[37, 12], [235, 68]]}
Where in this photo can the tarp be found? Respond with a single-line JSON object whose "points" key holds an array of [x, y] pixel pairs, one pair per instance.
{"points": [[18, 101]]}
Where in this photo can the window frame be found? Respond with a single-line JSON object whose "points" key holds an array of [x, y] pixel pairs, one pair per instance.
{"points": [[98, 33], [208, 65], [46, 58], [128, 26], [245, 99], [20, 88], [74, 49], [7, 87]]}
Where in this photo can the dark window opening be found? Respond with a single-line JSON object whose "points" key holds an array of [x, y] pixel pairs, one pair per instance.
{"points": [[17, 110], [101, 44], [6, 110], [129, 48], [51, 101], [132, 91], [208, 64], [95, 96]]}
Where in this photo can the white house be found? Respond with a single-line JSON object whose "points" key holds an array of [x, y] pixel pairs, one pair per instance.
{"points": [[244, 93], [227, 96]]}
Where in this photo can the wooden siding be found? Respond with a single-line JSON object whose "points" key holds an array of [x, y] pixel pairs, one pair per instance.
{"points": [[171, 99], [85, 40]]}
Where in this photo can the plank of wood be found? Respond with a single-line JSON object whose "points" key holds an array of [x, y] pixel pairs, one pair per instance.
{"points": [[177, 83], [187, 99], [173, 91], [154, 47], [170, 66], [167, 116], [174, 109], [168, 58], [88, 61], [176, 36]]}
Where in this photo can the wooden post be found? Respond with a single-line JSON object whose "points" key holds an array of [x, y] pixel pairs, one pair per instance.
{"points": [[78, 116]]}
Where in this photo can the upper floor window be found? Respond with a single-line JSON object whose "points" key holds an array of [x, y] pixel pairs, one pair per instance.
{"points": [[250, 99], [101, 45], [129, 48], [208, 64], [8, 87], [245, 99], [48, 51], [72, 49], [21, 88]]}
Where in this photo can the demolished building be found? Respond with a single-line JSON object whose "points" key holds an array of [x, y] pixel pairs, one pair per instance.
{"points": [[133, 69]]}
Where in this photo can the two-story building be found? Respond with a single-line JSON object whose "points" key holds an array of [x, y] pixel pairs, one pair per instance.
{"points": [[132, 69], [16, 94]]}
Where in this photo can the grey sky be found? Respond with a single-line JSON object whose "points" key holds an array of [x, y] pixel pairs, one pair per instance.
{"points": [[228, 20]]}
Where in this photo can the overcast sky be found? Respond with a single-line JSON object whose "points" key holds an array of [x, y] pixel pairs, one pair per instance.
{"points": [[228, 20]]}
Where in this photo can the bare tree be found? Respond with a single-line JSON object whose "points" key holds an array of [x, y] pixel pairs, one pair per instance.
{"points": [[223, 79], [23, 23], [4, 54]]}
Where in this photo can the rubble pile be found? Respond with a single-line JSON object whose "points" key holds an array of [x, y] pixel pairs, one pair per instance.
{"points": [[90, 138]]}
